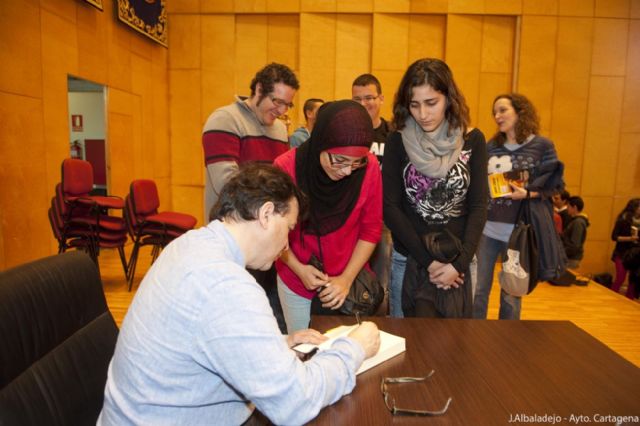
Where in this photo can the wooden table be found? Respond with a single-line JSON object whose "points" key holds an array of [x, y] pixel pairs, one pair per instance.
{"points": [[497, 372]]}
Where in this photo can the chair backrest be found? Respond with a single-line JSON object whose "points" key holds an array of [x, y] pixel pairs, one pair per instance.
{"points": [[57, 340], [144, 197], [77, 177]]}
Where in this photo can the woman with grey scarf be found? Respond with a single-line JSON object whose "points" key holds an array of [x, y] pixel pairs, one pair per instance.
{"points": [[435, 191]]}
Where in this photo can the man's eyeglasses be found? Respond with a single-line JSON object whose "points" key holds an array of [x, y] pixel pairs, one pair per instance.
{"points": [[366, 99], [390, 402], [340, 163], [280, 102]]}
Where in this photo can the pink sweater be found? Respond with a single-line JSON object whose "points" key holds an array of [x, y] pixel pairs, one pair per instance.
{"points": [[364, 223]]}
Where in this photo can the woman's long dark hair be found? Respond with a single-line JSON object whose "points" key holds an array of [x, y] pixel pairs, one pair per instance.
{"points": [[436, 74], [629, 210], [528, 122]]}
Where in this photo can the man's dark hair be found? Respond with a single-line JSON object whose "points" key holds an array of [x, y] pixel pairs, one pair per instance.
{"points": [[564, 195], [253, 185], [367, 79], [576, 202], [272, 74], [309, 104]]}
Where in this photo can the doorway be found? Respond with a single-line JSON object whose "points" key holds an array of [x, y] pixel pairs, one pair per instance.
{"points": [[87, 128]]}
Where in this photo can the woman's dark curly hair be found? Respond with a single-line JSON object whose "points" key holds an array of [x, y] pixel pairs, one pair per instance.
{"points": [[528, 122], [436, 74]]}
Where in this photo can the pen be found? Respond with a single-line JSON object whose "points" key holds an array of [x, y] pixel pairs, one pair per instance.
{"points": [[358, 317]]}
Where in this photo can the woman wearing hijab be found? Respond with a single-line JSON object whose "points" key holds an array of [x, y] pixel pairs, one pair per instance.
{"points": [[342, 181], [435, 183]]}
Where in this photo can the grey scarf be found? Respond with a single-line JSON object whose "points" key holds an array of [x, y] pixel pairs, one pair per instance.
{"points": [[432, 153]]}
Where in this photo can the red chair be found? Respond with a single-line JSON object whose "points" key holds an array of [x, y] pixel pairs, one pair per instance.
{"points": [[82, 212], [147, 226]]}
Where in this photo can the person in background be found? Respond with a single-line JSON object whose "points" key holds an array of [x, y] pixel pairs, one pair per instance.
{"points": [[625, 234], [517, 147], [302, 133], [435, 180], [335, 169], [575, 234], [199, 344], [560, 200], [387, 263], [249, 130]]}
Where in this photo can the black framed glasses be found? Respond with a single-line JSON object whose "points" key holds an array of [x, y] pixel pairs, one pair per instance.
{"points": [[280, 102], [390, 402], [365, 99], [338, 162]]}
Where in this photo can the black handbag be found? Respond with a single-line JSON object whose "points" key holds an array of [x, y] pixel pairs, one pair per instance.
{"points": [[365, 295]]}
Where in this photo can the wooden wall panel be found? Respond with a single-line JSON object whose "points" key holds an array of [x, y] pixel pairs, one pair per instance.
{"points": [[609, 47], [631, 105], [634, 12], [283, 6], [184, 43], [390, 42], [628, 173], [576, 7], [250, 6], [612, 8], [216, 6], [251, 49], [571, 94], [353, 51], [426, 37], [463, 55], [540, 7], [317, 57], [22, 212], [429, 6], [318, 5], [392, 6], [354, 6], [537, 64], [192, 6], [602, 136], [92, 45]]}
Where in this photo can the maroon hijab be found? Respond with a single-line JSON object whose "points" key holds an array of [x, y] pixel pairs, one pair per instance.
{"points": [[339, 124]]}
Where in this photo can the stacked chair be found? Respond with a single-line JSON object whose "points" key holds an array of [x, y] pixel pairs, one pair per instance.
{"points": [[83, 221], [147, 226]]}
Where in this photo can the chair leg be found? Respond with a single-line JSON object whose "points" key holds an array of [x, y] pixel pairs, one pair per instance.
{"points": [[123, 259], [132, 264]]}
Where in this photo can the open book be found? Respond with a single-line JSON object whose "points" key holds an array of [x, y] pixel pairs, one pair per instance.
{"points": [[499, 183], [390, 346]]}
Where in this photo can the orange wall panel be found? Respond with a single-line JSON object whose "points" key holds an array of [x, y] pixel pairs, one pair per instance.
{"points": [[603, 136], [612, 8], [628, 173], [631, 105], [429, 6], [609, 47], [463, 55], [426, 37], [92, 45], [184, 42], [576, 7], [540, 7], [251, 49], [390, 41], [216, 6], [353, 52], [317, 57], [537, 64]]}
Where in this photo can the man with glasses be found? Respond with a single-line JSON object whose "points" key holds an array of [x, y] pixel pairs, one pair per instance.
{"points": [[366, 90], [249, 130]]}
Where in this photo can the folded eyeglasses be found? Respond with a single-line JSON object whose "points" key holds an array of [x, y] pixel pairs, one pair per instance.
{"points": [[390, 402]]}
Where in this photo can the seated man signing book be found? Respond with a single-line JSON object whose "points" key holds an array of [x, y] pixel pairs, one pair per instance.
{"points": [[200, 344]]}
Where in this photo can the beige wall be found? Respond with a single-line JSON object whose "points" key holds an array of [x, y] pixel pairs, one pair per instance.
{"points": [[41, 43], [578, 60]]}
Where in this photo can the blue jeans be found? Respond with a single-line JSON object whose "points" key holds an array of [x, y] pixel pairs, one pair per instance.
{"points": [[487, 253], [398, 266], [296, 309]]}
